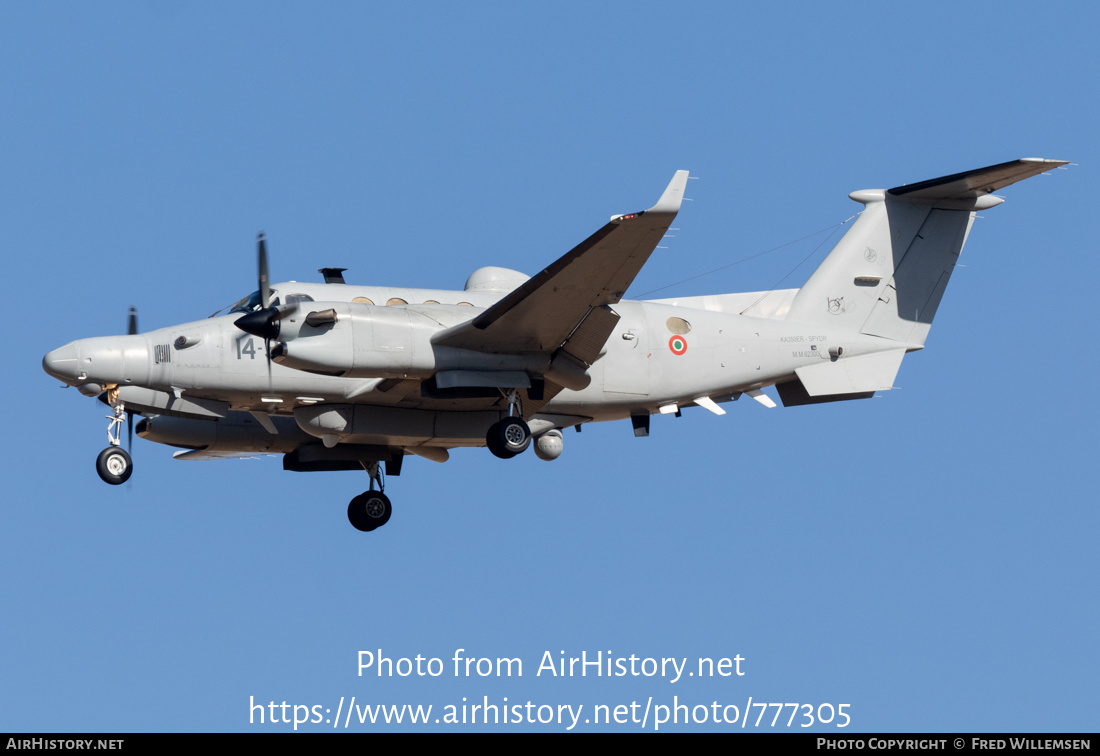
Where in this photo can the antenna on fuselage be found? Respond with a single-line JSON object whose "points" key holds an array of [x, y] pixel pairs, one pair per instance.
{"points": [[333, 275]]}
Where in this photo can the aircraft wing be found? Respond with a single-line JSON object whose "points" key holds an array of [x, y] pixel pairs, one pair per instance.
{"points": [[542, 314]]}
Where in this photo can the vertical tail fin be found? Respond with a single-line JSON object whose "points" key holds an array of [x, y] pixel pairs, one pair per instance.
{"points": [[886, 276]]}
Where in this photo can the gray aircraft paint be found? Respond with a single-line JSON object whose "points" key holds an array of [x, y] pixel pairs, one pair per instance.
{"points": [[382, 380]]}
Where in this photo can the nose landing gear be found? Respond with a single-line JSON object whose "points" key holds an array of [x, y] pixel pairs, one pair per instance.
{"points": [[113, 464]]}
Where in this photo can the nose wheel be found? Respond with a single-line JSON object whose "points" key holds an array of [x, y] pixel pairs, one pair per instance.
{"points": [[114, 465]]}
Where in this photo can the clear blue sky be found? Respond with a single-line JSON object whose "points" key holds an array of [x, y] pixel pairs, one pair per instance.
{"points": [[927, 556]]}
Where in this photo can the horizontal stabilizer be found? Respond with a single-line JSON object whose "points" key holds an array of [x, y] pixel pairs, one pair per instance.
{"points": [[972, 184], [887, 275], [852, 375]]}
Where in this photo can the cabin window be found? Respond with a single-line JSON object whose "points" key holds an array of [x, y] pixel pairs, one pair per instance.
{"points": [[678, 326]]}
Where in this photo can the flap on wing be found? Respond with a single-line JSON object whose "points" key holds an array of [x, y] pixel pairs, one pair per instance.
{"points": [[971, 184], [586, 342], [539, 316], [852, 375]]}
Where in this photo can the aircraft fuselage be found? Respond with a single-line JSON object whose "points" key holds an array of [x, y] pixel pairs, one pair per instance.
{"points": [[658, 355]]}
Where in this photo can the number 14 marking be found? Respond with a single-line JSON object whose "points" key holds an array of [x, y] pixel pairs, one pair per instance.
{"points": [[245, 345]]}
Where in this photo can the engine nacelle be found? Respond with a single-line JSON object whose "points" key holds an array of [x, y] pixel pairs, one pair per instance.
{"points": [[366, 341], [358, 340]]}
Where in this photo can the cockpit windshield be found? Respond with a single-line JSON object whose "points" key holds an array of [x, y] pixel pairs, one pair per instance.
{"points": [[251, 303]]}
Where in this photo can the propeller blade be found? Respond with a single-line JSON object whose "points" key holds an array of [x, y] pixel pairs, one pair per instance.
{"points": [[265, 288], [131, 329], [267, 355]]}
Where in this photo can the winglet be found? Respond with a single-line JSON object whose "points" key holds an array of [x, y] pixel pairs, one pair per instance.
{"points": [[670, 200], [673, 195]]}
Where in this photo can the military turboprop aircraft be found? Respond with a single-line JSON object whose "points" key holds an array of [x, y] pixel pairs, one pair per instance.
{"points": [[336, 377]]}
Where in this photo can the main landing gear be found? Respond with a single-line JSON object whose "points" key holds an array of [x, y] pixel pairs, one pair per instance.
{"points": [[510, 436], [114, 465], [370, 509]]}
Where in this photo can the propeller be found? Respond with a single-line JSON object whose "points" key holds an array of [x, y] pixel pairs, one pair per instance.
{"points": [[264, 322], [131, 330]]}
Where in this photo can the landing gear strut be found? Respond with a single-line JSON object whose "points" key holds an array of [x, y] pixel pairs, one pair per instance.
{"points": [[370, 509], [510, 436], [114, 464]]}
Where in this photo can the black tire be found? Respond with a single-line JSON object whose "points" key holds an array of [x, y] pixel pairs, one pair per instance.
{"points": [[114, 465], [509, 437], [494, 442], [369, 511]]}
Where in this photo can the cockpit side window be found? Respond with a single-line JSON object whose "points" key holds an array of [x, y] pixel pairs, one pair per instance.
{"points": [[293, 298]]}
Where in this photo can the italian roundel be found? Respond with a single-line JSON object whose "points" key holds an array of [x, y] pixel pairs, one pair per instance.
{"points": [[678, 345]]}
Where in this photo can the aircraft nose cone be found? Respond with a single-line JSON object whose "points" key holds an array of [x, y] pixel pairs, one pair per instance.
{"points": [[63, 363]]}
